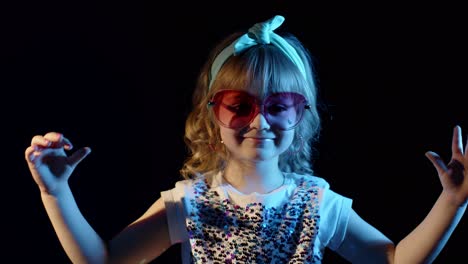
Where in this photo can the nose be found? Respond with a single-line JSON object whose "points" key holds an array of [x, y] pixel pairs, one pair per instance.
{"points": [[259, 122]]}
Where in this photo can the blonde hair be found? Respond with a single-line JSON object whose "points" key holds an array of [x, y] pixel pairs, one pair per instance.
{"points": [[266, 69]]}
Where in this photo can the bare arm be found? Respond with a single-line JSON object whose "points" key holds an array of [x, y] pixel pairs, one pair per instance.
{"points": [[143, 240], [365, 244], [79, 240], [50, 166], [140, 242], [426, 241]]}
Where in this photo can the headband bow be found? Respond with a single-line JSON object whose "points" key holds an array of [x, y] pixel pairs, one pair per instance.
{"points": [[260, 33]]}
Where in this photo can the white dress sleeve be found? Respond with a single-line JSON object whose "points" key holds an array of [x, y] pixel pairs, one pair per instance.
{"points": [[334, 215], [176, 211]]}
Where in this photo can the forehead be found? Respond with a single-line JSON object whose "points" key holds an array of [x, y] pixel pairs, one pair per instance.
{"points": [[260, 92]]}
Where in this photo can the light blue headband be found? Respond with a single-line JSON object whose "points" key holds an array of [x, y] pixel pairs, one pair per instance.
{"points": [[260, 33]]}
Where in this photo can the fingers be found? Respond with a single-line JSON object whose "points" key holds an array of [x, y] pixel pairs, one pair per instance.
{"points": [[51, 140], [29, 154], [457, 154], [457, 142], [58, 140], [78, 156], [32, 152], [437, 161], [466, 146], [466, 150], [40, 142]]}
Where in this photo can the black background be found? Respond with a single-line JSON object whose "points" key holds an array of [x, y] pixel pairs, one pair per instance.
{"points": [[118, 77]]}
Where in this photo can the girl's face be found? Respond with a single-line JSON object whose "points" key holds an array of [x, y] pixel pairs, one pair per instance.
{"points": [[256, 142], [255, 129]]}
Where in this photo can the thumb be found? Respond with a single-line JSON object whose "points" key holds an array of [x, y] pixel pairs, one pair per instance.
{"points": [[78, 156], [437, 161]]}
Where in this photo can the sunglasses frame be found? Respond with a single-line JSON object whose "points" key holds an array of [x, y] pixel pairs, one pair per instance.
{"points": [[260, 106]]}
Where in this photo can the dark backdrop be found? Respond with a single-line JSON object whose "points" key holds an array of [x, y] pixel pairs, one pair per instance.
{"points": [[118, 77]]}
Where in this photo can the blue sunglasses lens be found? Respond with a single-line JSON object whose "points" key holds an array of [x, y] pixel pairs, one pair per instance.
{"points": [[236, 109]]}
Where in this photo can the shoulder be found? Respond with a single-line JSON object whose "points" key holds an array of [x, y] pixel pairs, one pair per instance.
{"points": [[334, 211], [299, 179], [187, 183], [331, 202], [186, 187]]}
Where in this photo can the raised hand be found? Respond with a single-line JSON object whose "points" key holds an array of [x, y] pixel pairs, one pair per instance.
{"points": [[453, 175], [49, 163]]}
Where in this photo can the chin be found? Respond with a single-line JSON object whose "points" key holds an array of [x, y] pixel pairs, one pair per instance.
{"points": [[259, 155]]}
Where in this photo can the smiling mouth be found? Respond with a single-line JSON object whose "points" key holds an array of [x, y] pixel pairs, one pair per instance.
{"points": [[259, 139]]}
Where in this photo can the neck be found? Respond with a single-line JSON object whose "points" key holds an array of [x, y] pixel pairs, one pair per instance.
{"points": [[248, 177]]}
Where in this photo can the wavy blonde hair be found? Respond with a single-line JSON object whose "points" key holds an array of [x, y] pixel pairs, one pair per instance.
{"points": [[266, 69]]}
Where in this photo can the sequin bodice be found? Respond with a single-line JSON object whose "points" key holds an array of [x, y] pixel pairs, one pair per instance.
{"points": [[223, 232]]}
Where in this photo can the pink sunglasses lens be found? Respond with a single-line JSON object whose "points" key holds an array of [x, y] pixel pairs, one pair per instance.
{"points": [[236, 109]]}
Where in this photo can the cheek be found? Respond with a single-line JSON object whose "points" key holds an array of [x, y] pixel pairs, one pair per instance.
{"points": [[229, 136], [286, 139]]}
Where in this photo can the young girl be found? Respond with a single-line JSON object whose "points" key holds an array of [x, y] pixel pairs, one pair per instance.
{"points": [[250, 194]]}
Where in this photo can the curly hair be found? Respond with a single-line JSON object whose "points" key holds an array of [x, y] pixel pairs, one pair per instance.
{"points": [[267, 69]]}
